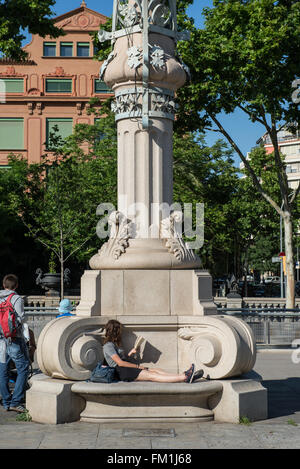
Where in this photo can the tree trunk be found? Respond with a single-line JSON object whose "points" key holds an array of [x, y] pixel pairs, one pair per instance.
{"points": [[62, 293], [290, 274]]}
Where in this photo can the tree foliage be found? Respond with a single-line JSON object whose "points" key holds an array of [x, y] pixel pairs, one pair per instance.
{"points": [[19, 15], [246, 58]]}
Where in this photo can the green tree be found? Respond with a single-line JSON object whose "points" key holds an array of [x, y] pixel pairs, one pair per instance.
{"points": [[18, 253], [60, 196], [19, 15], [256, 220], [207, 175], [246, 58]]}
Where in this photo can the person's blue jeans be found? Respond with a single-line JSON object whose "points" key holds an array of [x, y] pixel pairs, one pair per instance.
{"points": [[16, 351]]}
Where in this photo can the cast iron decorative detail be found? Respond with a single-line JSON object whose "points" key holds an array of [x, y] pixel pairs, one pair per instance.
{"points": [[104, 35], [128, 15], [128, 103], [128, 18], [173, 239], [110, 57], [157, 58], [135, 57], [164, 103]]}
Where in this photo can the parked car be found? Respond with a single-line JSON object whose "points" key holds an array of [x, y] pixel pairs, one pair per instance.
{"points": [[274, 279], [259, 290], [218, 282]]}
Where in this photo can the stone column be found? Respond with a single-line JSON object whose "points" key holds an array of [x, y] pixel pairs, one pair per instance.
{"points": [[144, 73]]}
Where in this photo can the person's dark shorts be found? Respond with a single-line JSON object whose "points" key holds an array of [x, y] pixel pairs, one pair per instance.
{"points": [[125, 373]]}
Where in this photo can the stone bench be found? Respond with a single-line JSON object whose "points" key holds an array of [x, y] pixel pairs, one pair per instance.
{"points": [[61, 401], [146, 400]]}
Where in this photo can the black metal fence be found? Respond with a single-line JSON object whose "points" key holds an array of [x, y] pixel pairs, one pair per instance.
{"points": [[271, 326]]}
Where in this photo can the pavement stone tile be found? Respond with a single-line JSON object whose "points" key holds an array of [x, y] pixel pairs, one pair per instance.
{"points": [[104, 442], [183, 443], [78, 436], [281, 430], [14, 437], [278, 436], [232, 436]]}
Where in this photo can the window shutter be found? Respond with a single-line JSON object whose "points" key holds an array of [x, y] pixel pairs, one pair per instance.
{"points": [[65, 127], [11, 134], [13, 85], [101, 87], [58, 85]]}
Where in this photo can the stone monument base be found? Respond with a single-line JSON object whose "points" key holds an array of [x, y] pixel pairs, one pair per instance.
{"points": [[174, 312], [146, 292]]}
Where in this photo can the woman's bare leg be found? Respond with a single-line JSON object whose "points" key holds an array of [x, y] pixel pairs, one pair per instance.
{"points": [[149, 375], [159, 371]]}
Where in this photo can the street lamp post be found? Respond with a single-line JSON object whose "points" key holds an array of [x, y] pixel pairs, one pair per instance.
{"points": [[281, 263]]}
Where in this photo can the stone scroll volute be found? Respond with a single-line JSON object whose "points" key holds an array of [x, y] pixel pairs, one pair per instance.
{"points": [[222, 346]]}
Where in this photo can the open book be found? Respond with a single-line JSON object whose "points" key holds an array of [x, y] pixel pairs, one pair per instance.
{"points": [[138, 342]]}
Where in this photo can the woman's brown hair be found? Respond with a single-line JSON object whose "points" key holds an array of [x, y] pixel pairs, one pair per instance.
{"points": [[113, 332]]}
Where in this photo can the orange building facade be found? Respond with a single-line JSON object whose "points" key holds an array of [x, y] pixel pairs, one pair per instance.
{"points": [[53, 87]]}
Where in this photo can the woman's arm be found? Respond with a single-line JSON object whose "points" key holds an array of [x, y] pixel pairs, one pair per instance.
{"points": [[132, 352], [118, 360]]}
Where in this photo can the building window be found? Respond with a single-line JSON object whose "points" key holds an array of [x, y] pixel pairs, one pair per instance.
{"points": [[11, 133], [63, 126], [100, 135], [49, 49], [101, 87], [83, 49], [292, 168], [96, 49], [12, 85], [58, 85], [66, 49]]}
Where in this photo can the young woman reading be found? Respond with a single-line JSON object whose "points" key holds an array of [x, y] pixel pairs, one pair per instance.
{"points": [[126, 371]]}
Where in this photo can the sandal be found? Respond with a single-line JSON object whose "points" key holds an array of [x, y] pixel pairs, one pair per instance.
{"points": [[189, 374]]}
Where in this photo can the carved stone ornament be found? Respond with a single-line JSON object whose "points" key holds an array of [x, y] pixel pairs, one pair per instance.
{"points": [[34, 92], [172, 236], [70, 349], [120, 233], [223, 346]]}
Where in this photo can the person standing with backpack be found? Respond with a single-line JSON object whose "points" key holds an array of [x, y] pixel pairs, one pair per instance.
{"points": [[12, 344]]}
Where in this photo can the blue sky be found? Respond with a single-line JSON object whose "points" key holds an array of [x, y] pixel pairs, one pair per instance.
{"points": [[238, 125]]}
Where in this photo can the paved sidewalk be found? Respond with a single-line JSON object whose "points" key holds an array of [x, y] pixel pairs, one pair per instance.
{"points": [[282, 430]]}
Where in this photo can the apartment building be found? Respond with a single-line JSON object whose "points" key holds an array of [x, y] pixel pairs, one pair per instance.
{"points": [[52, 87], [290, 147]]}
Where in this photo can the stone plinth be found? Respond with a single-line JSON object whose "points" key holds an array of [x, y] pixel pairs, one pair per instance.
{"points": [[146, 292]]}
